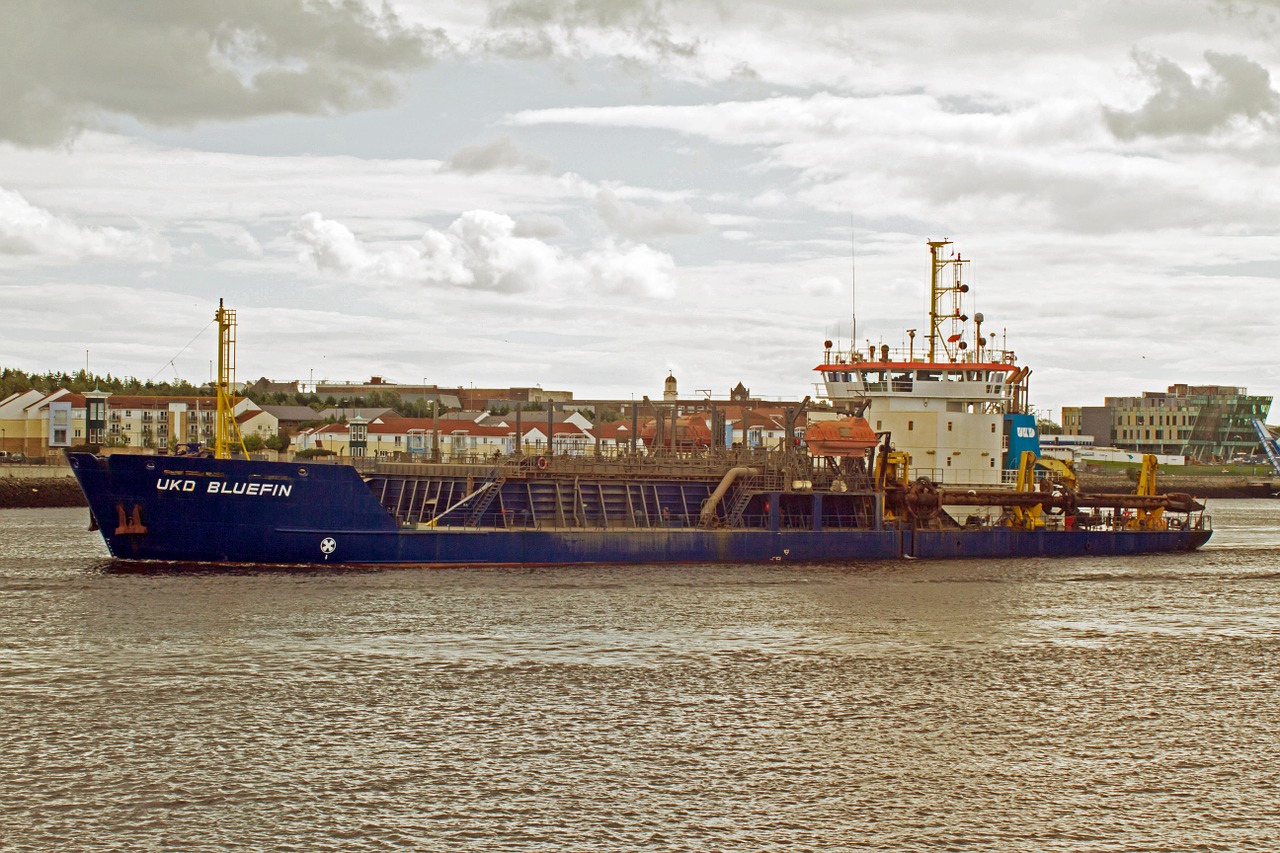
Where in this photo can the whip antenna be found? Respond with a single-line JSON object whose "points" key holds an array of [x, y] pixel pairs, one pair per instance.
{"points": [[853, 288]]}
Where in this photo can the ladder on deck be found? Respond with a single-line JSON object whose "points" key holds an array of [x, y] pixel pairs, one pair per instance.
{"points": [[1270, 444], [484, 499], [741, 497]]}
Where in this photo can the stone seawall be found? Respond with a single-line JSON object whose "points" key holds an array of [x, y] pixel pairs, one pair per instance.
{"points": [[1224, 486], [30, 492]]}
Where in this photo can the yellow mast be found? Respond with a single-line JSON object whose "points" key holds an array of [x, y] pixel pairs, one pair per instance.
{"points": [[937, 290], [227, 431]]}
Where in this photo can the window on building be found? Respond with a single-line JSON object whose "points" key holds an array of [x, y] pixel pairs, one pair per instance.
{"points": [[911, 425]]}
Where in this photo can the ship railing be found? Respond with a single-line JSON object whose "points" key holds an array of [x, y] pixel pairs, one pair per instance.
{"points": [[698, 463], [916, 354]]}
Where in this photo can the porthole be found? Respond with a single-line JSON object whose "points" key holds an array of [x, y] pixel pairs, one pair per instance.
{"points": [[302, 472]]}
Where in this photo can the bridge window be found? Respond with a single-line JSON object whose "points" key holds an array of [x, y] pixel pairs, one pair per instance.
{"points": [[875, 380], [929, 375]]}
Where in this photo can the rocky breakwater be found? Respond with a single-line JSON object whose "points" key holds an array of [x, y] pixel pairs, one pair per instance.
{"points": [[1201, 485], [29, 486]]}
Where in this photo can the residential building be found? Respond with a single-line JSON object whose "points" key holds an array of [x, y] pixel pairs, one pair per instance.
{"points": [[291, 418], [448, 398], [38, 424], [450, 439]]}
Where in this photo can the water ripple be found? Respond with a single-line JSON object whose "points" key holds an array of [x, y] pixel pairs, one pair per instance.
{"points": [[1077, 705]]}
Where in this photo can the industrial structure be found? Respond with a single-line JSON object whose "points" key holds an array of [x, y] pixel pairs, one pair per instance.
{"points": [[1205, 423]]}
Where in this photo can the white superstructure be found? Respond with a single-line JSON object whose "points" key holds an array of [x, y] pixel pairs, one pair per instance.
{"points": [[946, 407]]}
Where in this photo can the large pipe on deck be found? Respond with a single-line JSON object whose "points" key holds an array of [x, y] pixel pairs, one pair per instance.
{"points": [[1172, 502], [708, 513]]}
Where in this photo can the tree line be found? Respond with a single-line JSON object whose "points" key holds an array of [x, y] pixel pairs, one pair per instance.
{"points": [[13, 381]]}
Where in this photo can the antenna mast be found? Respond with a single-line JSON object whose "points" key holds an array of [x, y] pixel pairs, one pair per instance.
{"points": [[937, 291], [853, 289]]}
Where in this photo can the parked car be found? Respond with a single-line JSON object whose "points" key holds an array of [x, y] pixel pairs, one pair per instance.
{"points": [[6, 456]]}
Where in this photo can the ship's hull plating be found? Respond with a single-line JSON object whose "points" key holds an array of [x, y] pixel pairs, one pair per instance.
{"points": [[218, 511]]}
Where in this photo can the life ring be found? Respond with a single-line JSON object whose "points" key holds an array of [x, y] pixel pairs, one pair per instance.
{"points": [[541, 463]]}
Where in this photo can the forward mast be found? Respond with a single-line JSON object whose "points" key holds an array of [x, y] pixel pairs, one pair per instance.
{"points": [[227, 435]]}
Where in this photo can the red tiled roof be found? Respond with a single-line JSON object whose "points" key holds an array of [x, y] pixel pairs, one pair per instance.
{"points": [[121, 401]]}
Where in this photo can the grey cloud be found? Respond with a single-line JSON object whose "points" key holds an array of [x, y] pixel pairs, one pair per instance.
{"points": [[500, 154], [633, 220], [66, 62], [643, 19], [1237, 87]]}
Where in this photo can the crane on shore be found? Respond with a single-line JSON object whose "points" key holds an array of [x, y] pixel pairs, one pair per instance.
{"points": [[1270, 444]]}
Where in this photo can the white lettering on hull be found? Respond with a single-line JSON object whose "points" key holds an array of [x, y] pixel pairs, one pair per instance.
{"points": [[262, 490], [219, 487]]}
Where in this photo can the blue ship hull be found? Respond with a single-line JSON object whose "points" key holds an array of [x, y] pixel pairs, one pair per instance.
{"points": [[203, 510]]}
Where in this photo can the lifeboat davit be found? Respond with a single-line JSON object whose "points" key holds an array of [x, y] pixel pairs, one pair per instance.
{"points": [[843, 437]]}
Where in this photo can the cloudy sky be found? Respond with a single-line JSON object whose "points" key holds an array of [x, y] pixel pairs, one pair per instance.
{"points": [[589, 194]]}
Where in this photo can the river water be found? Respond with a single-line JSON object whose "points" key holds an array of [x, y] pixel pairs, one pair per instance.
{"points": [[1118, 704]]}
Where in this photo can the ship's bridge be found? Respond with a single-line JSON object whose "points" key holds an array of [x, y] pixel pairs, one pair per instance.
{"points": [[982, 384]]}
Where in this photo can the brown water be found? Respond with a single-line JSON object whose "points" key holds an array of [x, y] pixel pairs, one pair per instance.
{"points": [[1085, 705]]}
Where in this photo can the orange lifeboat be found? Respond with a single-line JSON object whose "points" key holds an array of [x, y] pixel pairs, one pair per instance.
{"points": [[843, 437], [692, 433]]}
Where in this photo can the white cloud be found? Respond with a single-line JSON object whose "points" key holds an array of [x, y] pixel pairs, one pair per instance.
{"points": [[482, 251], [824, 285], [541, 226], [29, 230]]}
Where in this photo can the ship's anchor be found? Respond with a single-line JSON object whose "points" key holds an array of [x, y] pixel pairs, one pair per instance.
{"points": [[130, 525]]}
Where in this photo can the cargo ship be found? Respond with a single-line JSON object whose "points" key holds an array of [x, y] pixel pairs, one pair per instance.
{"points": [[900, 457]]}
